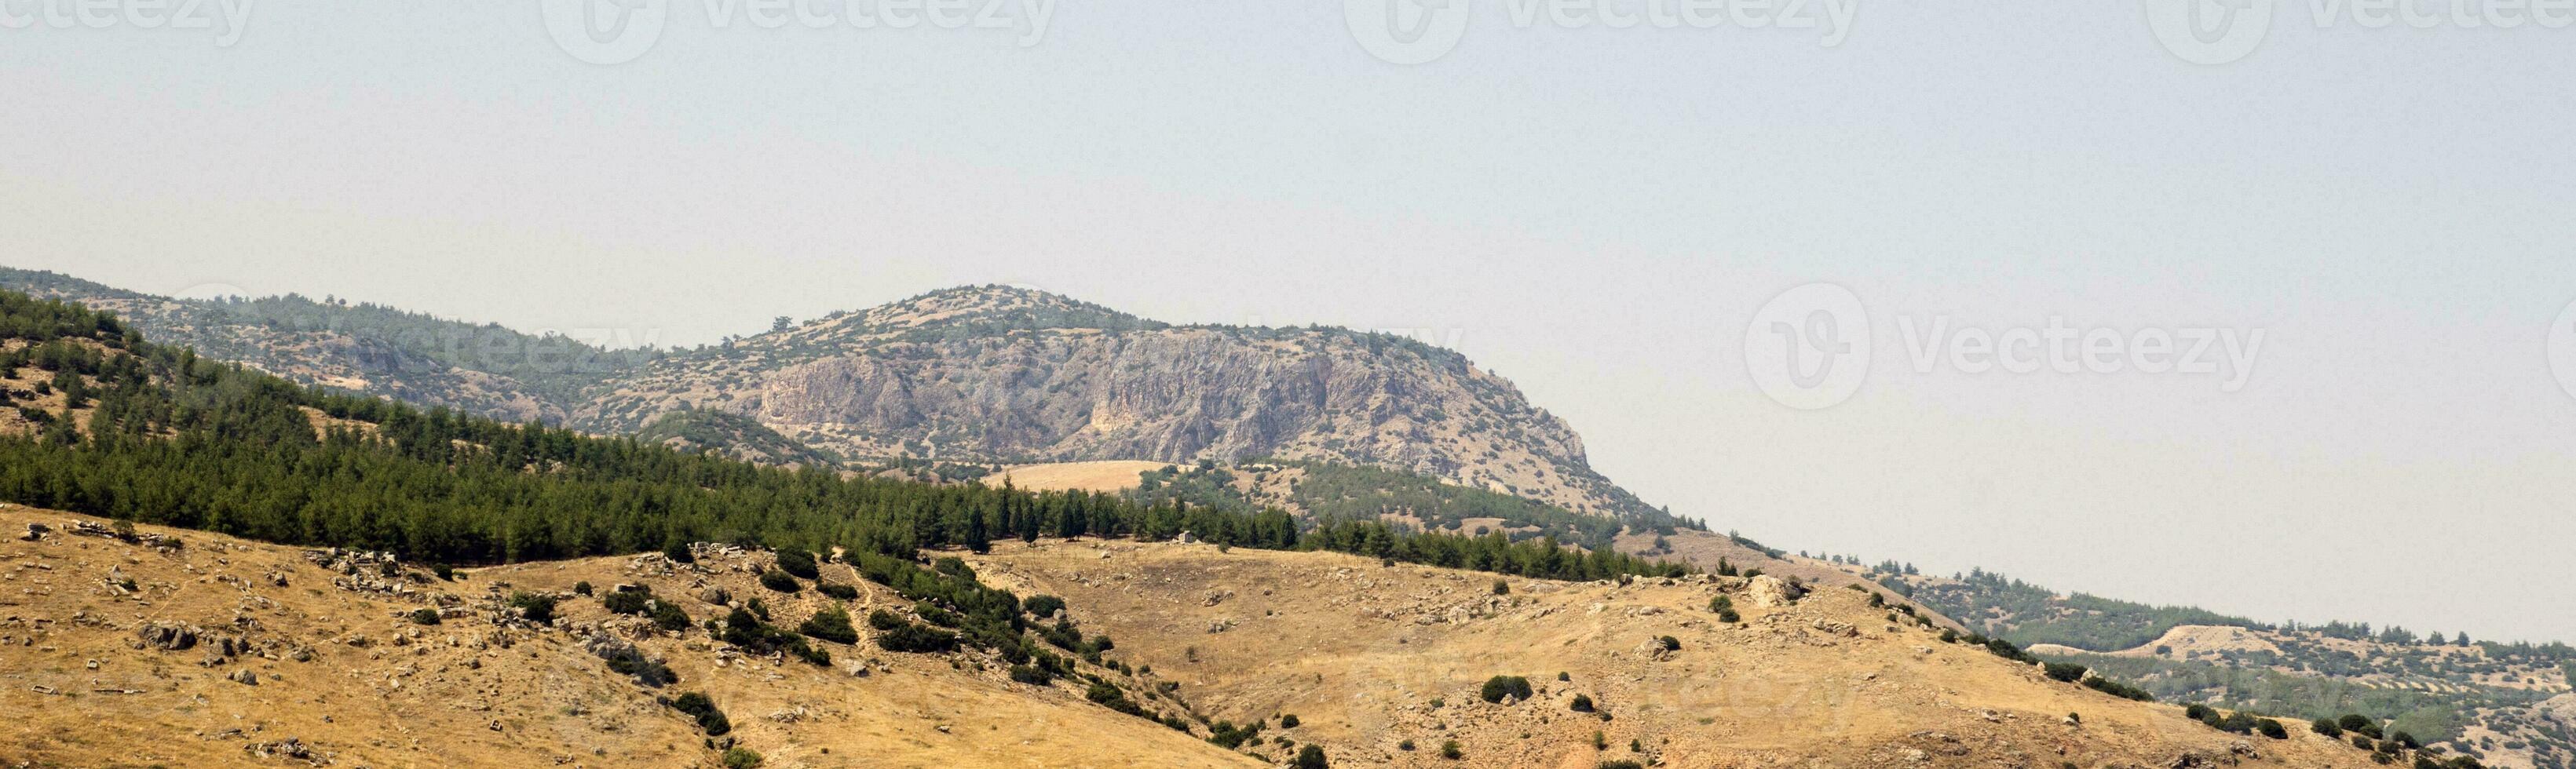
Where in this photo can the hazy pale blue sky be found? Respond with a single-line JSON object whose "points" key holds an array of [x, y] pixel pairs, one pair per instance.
{"points": [[1595, 213]]}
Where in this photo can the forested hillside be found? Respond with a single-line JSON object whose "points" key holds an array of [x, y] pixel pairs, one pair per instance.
{"points": [[2508, 703], [483, 369], [153, 433]]}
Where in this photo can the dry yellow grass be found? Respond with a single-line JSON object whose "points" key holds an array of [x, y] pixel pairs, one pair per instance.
{"points": [[1371, 656], [469, 692], [1106, 475]]}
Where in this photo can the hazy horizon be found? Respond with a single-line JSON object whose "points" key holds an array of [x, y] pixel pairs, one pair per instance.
{"points": [[1600, 215]]}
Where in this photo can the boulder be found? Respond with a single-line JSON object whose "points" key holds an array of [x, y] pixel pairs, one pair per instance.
{"points": [[167, 636], [1772, 592]]}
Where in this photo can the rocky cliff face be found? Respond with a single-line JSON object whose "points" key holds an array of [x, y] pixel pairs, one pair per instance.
{"points": [[997, 374]]}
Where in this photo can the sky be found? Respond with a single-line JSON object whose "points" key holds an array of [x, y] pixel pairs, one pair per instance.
{"points": [[1620, 220]]}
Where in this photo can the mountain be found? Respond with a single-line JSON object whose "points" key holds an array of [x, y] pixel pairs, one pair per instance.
{"points": [[994, 374], [979, 375]]}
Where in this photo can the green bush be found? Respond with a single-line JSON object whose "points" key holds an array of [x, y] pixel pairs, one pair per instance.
{"points": [[1449, 750], [668, 616], [2066, 671], [2271, 728], [424, 616], [1582, 703], [739, 757], [697, 706], [1502, 587], [1288, 721], [916, 639], [837, 590], [581, 588], [1621, 765], [780, 581], [1498, 687], [2327, 727], [830, 624], [799, 563], [636, 602], [1042, 606], [539, 609], [1310, 757]]}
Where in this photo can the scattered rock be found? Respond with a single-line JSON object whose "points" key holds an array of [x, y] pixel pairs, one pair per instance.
{"points": [[245, 677]]}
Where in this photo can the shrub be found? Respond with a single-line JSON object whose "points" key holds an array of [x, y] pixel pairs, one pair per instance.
{"points": [[1599, 742], [831, 624], [1310, 757], [1449, 750], [1621, 765], [678, 552], [2363, 743], [2271, 728], [636, 602], [539, 609], [1724, 607], [698, 707], [1032, 675], [1288, 721], [1502, 587], [2239, 722], [2066, 671], [1042, 606], [916, 639], [424, 616], [1498, 687], [2354, 721], [837, 590], [799, 563], [1582, 703], [780, 581], [1406, 746], [581, 588], [668, 616], [2196, 712], [885, 620], [1669, 643], [738, 757], [1562, 676], [2327, 727]]}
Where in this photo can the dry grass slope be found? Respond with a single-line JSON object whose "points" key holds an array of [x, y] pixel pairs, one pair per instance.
{"points": [[348, 678]]}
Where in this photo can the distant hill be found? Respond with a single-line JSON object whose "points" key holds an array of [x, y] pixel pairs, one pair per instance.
{"points": [[2510, 704], [732, 435], [480, 369]]}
